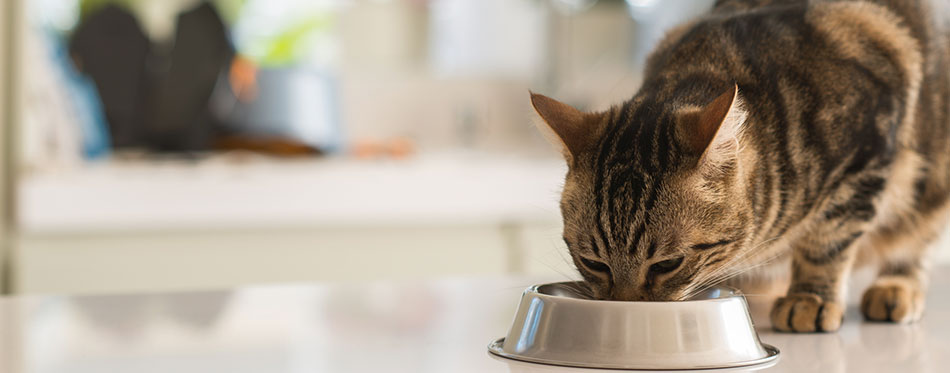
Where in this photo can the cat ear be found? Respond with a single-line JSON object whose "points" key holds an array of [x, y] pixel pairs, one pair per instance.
{"points": [[569, 129], [713, 131]]}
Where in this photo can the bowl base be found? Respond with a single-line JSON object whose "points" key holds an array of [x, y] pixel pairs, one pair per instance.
{"points": [[496, 349]]}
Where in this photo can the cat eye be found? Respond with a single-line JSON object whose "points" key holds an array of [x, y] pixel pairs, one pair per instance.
{"points": [[666, 266], [595, 265]]}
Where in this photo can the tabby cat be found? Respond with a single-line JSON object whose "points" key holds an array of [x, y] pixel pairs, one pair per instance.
{"points": [[810, 132]]}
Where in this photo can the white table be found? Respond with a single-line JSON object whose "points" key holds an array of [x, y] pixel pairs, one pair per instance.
{"points": [[440, 326]]}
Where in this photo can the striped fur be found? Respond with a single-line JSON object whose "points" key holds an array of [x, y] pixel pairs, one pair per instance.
{"points": [[814, 132]]}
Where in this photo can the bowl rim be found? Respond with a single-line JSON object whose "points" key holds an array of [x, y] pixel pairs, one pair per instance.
{"points": [[535, 289]]}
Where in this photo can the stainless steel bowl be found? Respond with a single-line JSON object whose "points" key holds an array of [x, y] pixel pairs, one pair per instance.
{"points": [[556, 324]]}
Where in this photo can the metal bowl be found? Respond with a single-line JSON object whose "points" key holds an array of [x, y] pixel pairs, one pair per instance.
{"points": [[556, 324]]}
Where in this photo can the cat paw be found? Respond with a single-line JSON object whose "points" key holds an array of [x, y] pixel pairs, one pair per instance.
{"points": [[806, 313], [896, 300]]}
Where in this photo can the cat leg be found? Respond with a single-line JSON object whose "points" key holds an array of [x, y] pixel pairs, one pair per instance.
{"points": [[897, 295], [821, 262]]}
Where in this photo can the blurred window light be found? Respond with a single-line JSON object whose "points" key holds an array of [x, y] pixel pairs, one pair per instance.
{"points": [[642, 3], [58, 15], [654, 18], [285, 32], [488, 37], [574, 6]]}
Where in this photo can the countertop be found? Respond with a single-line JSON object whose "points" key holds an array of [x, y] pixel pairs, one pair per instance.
{"points": [[432, 326], [227, 193]]}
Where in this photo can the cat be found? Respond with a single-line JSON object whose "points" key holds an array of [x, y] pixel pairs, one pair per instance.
{"points": [[815, 131]]}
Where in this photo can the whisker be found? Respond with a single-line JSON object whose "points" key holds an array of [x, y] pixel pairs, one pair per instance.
{"points": [[559, 272], [728, 270], [580, 289], [726, 273], [711, 281]]}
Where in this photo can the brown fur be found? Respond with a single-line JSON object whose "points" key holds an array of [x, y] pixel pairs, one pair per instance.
{"points": [[815, 133]]}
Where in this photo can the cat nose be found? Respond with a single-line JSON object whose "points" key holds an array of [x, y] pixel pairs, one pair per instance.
{"points": [[626, 293], [624, 287]]}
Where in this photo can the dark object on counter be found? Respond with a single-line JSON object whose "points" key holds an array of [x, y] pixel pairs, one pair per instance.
{"points": [[180, 119], [178, 98], [163, 110], [111, 48]]}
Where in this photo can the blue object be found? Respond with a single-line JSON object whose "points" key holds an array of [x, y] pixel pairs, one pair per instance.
{"points": [[294, 102], [81, 91]]}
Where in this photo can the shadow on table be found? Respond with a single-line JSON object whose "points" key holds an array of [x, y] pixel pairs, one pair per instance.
{"points": [[128, 316]]}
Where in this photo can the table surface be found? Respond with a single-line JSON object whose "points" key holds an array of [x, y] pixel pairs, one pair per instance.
{"points": [[435, 326]]}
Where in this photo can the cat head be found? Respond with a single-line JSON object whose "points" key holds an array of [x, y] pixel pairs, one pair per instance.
{"points": [[654, 200]]}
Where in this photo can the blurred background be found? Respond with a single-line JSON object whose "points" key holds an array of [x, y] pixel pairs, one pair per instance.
{"points": [[156, 145]]}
